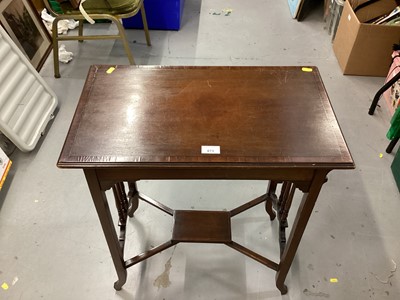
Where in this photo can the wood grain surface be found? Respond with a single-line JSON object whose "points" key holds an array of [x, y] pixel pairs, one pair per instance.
{"points": [[153, 115]]}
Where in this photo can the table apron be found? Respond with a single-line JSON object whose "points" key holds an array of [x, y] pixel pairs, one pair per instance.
{"points": [[284, 174]]}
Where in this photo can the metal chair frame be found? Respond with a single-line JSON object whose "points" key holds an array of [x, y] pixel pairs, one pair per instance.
{"points": [[115, 18]]}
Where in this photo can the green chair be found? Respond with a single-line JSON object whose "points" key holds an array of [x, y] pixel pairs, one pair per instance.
{"points": [[113, 10]]}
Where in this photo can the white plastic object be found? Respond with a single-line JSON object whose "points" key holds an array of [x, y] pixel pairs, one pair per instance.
{"points": [[27, 103], [63, 55]]}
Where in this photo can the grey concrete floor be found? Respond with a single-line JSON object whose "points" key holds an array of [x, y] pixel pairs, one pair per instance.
{"points": [[50, 237]]}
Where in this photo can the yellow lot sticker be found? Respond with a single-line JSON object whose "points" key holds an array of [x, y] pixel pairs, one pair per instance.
{"points": [[333, 280], [110, 70], [305, 69], [4, 286]]}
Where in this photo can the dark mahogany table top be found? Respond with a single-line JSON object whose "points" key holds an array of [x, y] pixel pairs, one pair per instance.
{"points": [[150, 115]]}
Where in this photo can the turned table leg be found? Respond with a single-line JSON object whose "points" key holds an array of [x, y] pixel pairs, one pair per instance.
{"points": [[271, 199], [133, 197]]}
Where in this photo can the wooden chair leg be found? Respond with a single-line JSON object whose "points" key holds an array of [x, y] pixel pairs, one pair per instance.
{"points": [[145, 27]]}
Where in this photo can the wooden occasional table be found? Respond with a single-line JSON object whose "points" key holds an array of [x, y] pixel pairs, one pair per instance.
{"points": [[150, 122]]}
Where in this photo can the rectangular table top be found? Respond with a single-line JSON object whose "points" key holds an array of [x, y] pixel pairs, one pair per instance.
{"points": [[158, 115]]}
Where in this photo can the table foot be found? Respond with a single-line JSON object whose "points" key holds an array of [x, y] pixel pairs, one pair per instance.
{"points": [[118, 285], [122, 276], [282, 288]]}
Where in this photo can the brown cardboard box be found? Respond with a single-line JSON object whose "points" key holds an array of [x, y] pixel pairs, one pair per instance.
{"points": [[5, 164], [365, 49]]}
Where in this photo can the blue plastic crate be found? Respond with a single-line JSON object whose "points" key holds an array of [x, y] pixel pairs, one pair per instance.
{"points": [[160, 14]]}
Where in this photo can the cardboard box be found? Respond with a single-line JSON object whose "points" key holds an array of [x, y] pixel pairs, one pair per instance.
{"points": [[361, 48], [5, 164]]}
